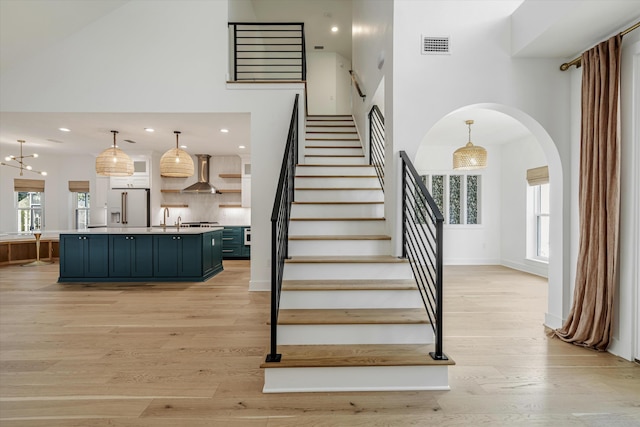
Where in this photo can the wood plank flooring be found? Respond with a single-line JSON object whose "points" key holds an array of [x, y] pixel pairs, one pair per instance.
{"points": [[189, 354]]}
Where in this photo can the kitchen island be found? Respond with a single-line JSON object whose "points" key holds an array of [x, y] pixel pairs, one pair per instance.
{"points": [[140, 254]]}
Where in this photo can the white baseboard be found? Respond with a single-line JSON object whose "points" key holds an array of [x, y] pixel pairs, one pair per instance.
{"points": [[471, 261], [260, 285], [552, 321], [539, 269]]}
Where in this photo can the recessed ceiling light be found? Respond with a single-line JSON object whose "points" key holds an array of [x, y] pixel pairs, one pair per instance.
{"points": [[64, 129], [242, 147], [183, 146], [224, 130], [149, 129], [334, 29]]}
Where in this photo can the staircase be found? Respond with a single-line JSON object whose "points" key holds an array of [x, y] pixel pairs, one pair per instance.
{"points": [[351, 317]]}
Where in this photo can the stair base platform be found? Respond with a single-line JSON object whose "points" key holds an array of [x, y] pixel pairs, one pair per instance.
{"points": [[356, 368]]}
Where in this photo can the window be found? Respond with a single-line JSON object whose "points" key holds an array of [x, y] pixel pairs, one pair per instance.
{"points": [[82, 201], [538, 213], [457, 197], [30, 210], [541, 214]]}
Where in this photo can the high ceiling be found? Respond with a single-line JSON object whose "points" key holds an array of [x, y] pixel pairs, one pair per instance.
{"points": [[28, 27]]}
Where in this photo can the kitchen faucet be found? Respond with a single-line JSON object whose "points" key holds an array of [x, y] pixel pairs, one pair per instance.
{"points": [[165, 215], [179, 220]]}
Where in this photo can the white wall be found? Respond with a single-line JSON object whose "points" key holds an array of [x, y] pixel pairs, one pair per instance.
{"points": [[626, 332], [58, 202], [480, 70], [470, 244], [328, 84], [517, 157], [167, 56], [373, 62], [321, 82]]}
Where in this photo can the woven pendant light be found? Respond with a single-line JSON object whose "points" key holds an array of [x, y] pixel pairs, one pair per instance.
{"points": [[176, 163], [470, 156], [113, 161]]}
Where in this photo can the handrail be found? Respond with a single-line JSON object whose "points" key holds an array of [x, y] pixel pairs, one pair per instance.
{"points": [[268, 51], [280, 226], [377, 142], [422, 233], [357, 85]]}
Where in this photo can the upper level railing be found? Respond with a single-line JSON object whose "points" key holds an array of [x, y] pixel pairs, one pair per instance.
{"points": [[376, 142], [264, 51], [422, 224], [280, 226]]}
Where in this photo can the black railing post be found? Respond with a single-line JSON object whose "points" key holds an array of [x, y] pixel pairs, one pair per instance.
{"points": [[280, 227], [304, 54], [439, 354], [273, 355], [404, 210], [235, 53], [422, 246]]}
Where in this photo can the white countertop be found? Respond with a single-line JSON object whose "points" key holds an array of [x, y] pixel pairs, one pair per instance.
{"points": [[55, 234]]}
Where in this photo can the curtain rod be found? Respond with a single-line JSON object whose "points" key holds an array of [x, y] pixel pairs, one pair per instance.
{"points": [[578, 61]]}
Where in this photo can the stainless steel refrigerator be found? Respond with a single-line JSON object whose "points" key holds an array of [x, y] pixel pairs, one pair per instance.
{"points": [[128, 207]]}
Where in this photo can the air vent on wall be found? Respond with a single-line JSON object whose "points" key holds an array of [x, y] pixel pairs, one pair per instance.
{"points": [[435, 45]]}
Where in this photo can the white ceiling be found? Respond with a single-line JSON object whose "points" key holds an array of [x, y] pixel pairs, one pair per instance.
{"points": [[27, 27], [91, 132], [489, 128]]}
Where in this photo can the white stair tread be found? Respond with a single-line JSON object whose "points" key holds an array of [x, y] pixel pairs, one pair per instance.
{"points": [[347, 285], [341, 237]]}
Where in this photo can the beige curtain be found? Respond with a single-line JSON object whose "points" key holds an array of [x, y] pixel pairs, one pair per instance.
{"points": [[590, 320]]}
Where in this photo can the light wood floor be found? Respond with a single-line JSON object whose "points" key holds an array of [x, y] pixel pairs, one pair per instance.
{"points": [[174, 354]]}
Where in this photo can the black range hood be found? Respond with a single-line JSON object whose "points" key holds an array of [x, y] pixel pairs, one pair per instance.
{"points": [[203, 185]]}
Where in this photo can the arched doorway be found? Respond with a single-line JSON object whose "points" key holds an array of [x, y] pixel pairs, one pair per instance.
{"points": [[502, 122]]}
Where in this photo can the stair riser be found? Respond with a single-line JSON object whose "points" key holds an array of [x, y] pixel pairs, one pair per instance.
{"points": [[331, 182], [335, 170], [370, 298], [330, 151], [326, 228], [330, 122], [355, 334], [361, 378], [339, 196], [315, 128], [338, 138], [346, 271], [332, 142], [335, 160], [339, 247], [337, 211]]}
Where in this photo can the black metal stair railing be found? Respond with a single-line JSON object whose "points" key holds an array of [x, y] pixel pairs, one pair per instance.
{"points": [[422, 233], [280, 226], [376, 142], [268, 51]]}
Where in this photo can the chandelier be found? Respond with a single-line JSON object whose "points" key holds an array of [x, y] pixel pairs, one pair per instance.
{"points": [[113, 161], [20, 161], [470, 156], [176, 163]]}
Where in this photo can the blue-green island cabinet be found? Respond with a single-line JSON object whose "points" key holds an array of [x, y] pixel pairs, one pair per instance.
{"points": [[84, 256], [233, 243], [142, 255], [177, 256], [130, 255]]}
